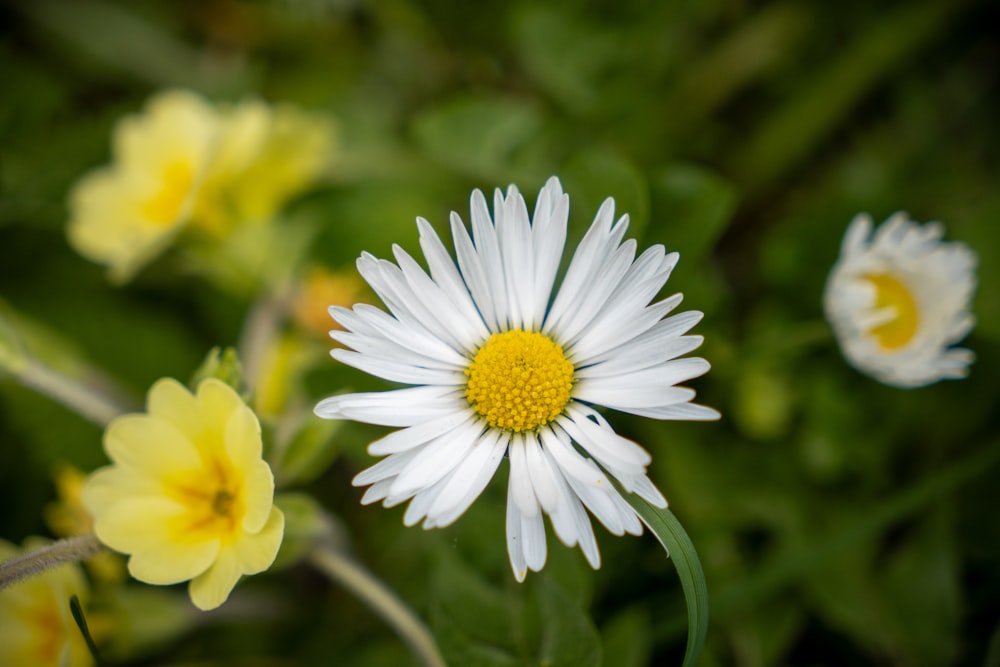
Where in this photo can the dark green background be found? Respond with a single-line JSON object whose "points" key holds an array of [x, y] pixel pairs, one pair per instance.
{"points": [[840, 521]]}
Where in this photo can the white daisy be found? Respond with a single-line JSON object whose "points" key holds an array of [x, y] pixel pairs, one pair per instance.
{"points": [[501, 367], [898, 300]]}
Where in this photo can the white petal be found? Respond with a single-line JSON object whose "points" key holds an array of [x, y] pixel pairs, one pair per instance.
{"points": [[533, 541], [612, 335], [640, 354], [399, 407], [520, 481], [678, 412], [468, 480], [379, 349], [374, 323], [558, 444], [622, 396], [548, 227], [665, 374], [445, 274], [601, 283], [466, 326], [418, 434], [474, 273], [385, 469], [515, 540], [608, 321], [514, 237], [488, 250], [610, 449], [597, 244], [436, 459], [542, 481]]}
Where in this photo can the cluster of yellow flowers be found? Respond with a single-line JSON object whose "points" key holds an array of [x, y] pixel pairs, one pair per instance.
{"points": [[187, 166]]}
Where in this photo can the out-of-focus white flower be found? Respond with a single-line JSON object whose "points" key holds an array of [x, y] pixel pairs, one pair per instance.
{"points": [[899, 299]]}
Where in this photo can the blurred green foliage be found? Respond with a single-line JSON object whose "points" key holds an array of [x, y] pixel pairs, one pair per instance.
{"points": [[839, 521]]}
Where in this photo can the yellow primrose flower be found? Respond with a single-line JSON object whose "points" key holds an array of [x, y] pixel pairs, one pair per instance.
{"points": [[36, 627], [125, 214], [265, 156], [188, 495]]}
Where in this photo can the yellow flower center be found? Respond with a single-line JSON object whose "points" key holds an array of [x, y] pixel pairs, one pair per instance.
{"points": [[519, 380], [164, 207], [213, 497], [891, 293]]}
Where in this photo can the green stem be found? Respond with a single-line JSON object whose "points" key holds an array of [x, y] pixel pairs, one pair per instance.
{"points": [[27, 565], [352, 576], [259, 330], [87, 401]]}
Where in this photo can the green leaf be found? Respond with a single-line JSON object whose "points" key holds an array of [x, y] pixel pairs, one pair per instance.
{"points": [[310, 452], [595, 173], [691, 208], [472, 621], [81, 622], [568, 636], [668, 530], [478, 134], [305, 520], [539, 622], [145, 618], [628, 639], [814, 111]]}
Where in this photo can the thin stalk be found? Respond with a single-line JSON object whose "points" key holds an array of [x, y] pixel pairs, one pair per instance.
{"points": [[352, 576], [259, 330], [69, 550], [86, 400]]}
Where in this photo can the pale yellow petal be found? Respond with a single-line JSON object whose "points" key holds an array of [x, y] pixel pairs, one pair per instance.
{"points": [[171, 401], [258, 495], [151, 446], [246, 127], [243, 441], [111, 485], [211, 589], [216, 402], [298, 149], [138, 524], [175, 125], [257, 551], [107, 224], [173, 562]]}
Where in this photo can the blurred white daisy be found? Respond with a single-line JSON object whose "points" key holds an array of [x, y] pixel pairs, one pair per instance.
{"points": [[897, 300], [501, 367]]}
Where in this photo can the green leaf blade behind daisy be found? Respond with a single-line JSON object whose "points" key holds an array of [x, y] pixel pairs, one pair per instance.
{"points": [[668, 530]]}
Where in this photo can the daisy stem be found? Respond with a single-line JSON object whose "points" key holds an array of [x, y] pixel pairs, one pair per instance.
{"points": [[84, 399], [352, 576], [69, 550]]}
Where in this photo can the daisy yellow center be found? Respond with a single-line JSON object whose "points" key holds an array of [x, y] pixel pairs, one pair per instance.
{"points": [[213, 500], [891, 293], [519, 380], [164, 207]]}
